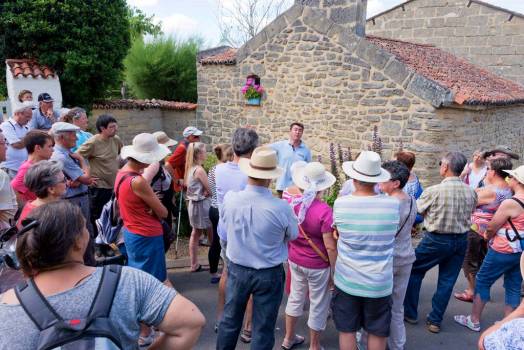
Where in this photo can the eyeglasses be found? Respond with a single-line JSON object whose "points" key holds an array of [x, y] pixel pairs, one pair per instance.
{"points": [[61, 181]]}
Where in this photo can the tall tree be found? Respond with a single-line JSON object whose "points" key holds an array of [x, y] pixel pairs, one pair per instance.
{"points": [[141, 24], [84, 41], [240, 20]]}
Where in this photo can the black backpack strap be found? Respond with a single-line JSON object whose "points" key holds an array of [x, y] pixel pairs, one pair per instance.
{"points": [[105, 293], [518, 201], [35, 305], [517, 235]]}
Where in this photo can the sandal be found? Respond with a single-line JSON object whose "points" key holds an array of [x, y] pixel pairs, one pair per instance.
{"points": [[198, 269], [245, 336], [466, 322], [288, 345], [464, 296], [147, 340]]}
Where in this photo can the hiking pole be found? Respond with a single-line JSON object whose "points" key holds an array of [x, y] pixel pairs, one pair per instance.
{"points": [[178, 221]]}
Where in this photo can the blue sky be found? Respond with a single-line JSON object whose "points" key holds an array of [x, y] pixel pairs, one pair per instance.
{"points": [[184, 18]]}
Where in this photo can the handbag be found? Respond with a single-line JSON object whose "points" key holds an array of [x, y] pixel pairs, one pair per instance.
{"points": [[517, 235], [313, 245]]}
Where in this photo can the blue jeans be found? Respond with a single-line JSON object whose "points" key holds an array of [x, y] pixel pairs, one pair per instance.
{"points": [[495, 265], [267, 287], [447, 251]]}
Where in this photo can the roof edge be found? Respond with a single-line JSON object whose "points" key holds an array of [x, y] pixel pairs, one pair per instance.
{"points": [[468, 3], [144, 104]]}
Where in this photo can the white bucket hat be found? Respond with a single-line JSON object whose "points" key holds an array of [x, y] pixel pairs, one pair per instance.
{"points": [[366, 168], [191, 130], [518, 174], [312, 176], [262, 165], [145, 149], [163, 139]]}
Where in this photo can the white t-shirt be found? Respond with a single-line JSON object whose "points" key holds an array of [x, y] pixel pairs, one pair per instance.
{"points": [[14, 133], [8, 203]]}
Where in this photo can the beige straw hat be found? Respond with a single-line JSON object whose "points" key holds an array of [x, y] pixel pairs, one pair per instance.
{"points": [[163, 139], [145, 149], [262, 165], [366, 168], [312, 176], [518, 174]]}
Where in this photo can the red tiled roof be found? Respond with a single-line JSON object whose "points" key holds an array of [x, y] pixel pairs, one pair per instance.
{"points": [[29, 67], [470, 84], [226, 56], [144, 104]]}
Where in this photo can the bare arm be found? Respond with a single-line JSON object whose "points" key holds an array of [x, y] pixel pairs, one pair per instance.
{"points": [[465, 172], [201, 175], [145, 192], [18, 145], [507, 209], [517, 313], [331, 246], [150, 171]]}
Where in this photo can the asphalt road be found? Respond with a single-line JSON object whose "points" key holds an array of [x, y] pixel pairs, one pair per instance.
{"points": [[197, 288]]}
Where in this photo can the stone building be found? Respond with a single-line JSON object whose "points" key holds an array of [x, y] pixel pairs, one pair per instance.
{"points": [[487, 35], [318, 67]]}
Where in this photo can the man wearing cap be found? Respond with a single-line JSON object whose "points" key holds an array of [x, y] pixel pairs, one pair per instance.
{"points": [[44, 116], [14, 131], [76, 171], [288, 152], [256, 249], [447, 209], [178, 159], [102, 152], [366, 224]]}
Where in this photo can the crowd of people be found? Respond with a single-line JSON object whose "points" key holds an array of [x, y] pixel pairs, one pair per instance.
{"points": [[262, 210]]}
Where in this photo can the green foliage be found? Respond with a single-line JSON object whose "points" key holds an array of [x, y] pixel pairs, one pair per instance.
{"points": [[211, 161], [331, 195], [163, 68], [84, 41], [251, 92], [141, 24]]}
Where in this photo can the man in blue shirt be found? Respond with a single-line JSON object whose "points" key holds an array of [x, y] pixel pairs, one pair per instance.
{"points": [[44, 116], [289, 152], [76, 172], [258, 226]]}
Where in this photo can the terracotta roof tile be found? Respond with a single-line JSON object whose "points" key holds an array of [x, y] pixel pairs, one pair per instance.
{"points": [[144, 104], [470, 84], [29, 67], [220, 55]]}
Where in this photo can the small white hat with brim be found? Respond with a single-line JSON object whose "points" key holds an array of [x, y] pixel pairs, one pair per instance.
{"points": [[145, 149], [262, 165], [518, 174], [163, 139], [366, 168], [59, 127], [312, 176]]}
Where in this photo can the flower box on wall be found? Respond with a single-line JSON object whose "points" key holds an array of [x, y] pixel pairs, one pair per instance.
{"points": [[255, 101], [253, 91]]}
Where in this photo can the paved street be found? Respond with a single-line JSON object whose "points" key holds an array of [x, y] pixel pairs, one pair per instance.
{"points": [[196, 287]]}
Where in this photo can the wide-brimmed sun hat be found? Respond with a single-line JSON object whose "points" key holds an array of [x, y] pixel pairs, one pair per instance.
{"points": [[312, 176], [145, 149], [518, 174], [502, 149], [262, 165], [163, 139], [366, 168]]}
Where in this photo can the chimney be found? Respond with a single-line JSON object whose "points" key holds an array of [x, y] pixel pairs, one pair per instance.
{"points": [[349, 13]]}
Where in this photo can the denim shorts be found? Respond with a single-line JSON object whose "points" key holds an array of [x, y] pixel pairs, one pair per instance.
{"points": [[495, 265]]}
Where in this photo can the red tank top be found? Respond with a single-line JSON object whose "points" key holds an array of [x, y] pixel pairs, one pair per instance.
{"points": [[135, 213]]}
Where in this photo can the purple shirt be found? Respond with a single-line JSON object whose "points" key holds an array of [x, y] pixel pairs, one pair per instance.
{"points": [[318, 220], [228, 177]]}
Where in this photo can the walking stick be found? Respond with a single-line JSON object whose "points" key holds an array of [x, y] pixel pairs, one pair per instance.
{"points": [[178, 221]]}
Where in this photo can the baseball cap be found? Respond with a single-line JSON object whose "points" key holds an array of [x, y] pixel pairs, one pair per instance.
{"points": [[191, 130], [59, 127], [45, 97]]}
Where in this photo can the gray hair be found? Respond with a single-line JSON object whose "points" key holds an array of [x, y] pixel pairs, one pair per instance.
{"points": [[21, 109], [244, 141], [456, 161], [42, 175]]}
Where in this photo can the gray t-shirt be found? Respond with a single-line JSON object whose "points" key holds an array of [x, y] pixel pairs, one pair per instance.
{"points": [[139, 298], [403, 252]]}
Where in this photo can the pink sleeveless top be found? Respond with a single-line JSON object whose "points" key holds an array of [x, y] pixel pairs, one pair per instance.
{"points": [[501, 244]]}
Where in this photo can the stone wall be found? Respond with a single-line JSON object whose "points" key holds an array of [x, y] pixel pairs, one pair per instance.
{"points": [[135, 121], [481, 34]]}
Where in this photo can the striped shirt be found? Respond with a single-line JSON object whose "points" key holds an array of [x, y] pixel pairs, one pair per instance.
{"points": [[211, 178], [367, 228]]}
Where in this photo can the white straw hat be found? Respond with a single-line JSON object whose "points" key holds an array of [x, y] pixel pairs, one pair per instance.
{"points": [[262, 165], [518, 174], [312, 176], [366, 168], [145, 149], [163, 139]]}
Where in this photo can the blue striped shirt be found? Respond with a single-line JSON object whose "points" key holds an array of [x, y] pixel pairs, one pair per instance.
{"points": [[367, 228]]}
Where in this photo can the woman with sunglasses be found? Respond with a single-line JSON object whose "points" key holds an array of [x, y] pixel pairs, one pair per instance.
{"points": [[504, 233]]}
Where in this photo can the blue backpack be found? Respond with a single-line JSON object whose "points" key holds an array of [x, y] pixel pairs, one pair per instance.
{"points": [[95, 331]]}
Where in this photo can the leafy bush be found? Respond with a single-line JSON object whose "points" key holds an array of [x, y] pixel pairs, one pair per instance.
{"points": [[84, 41], [163, 68], [211, 160]]}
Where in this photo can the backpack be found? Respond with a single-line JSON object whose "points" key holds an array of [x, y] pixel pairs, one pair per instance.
{"points": [[109, 224], [93, 332]]}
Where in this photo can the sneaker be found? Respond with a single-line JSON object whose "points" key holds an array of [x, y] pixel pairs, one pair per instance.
{"points": [[410, 320], [433, 328], [467, 322]]}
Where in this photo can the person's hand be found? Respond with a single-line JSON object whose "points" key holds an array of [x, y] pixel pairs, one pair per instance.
{"points": [[335, 234], [92, 181], [76, 156], [159, 195]]}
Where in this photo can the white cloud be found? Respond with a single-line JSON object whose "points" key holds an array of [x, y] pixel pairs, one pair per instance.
{"points": [[178, 24], [142, 3]]}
